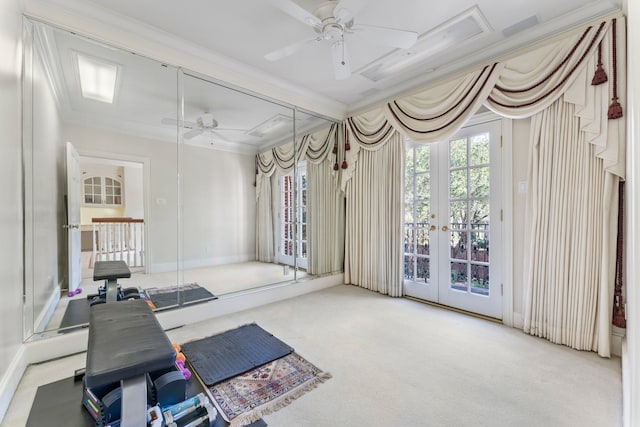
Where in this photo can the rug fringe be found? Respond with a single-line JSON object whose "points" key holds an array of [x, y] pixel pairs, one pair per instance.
{"points": [[279, 403]]}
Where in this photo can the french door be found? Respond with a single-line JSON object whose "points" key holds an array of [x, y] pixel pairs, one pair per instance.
{"points": [[293, 219], [453, 224]]}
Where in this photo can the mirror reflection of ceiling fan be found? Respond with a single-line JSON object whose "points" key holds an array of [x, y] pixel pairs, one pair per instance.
{"points": [[204, 123], [331, 21]]}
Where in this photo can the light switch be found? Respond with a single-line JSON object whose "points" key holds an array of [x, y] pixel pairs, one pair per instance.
{"points": [[522, 187]]}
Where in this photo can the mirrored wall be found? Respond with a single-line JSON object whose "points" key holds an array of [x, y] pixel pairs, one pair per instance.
{"points": [[129, 159]]}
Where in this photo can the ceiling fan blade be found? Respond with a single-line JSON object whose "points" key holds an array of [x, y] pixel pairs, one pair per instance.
{"points": [[192, 133], [341, 65], [174, 122], [291, 8], [289, 50], [389, 36]]}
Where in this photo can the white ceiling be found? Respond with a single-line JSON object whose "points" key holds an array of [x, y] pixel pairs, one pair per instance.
{"points": [[240, 32], [245, 30]]}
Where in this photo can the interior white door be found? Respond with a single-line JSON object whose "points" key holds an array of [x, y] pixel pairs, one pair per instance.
{"points": [[74, 176], [453, 240]]}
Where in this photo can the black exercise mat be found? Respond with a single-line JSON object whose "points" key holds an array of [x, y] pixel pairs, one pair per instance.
{"points": [[163, 298], [232, 353], [76, 313]]}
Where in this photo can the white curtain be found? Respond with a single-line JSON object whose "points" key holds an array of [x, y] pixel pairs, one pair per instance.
{"points": [[325, 205], [375, 205], [325, 219], [571, 204], [265, 245], [556, 71]]}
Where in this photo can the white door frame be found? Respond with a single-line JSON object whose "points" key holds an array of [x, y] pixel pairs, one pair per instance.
{"points": [[506, 258], [146, 178]]}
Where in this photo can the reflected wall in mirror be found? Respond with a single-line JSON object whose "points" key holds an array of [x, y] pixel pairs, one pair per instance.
{"points": [[100, 173], [161, 174]]}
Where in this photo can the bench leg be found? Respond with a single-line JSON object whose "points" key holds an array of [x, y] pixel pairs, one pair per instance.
{"points": [[112, 290]]}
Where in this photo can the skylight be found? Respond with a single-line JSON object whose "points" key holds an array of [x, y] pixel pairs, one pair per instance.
{"points": [[97, 78]]}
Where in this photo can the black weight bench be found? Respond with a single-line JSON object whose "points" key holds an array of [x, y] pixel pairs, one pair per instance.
{"points": [[125, 342], [110, 272]]}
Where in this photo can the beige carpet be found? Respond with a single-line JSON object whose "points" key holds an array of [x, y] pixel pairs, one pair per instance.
{"points": [[397, 362]]}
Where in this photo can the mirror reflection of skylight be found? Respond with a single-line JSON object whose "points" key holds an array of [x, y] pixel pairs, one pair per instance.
{"points": [[97, 78]]}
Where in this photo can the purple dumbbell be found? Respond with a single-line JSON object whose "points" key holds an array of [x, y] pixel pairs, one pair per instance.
{"points": [[74, 293], [185, 371]]}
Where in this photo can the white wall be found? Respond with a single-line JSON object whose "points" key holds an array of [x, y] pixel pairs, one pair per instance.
{"points": [[631, 349], [46, 186], [133, 192], [219, 207], [11, 266], [218, 201], [520, 159]]}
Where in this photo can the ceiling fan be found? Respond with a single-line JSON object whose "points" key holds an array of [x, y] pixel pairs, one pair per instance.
{"points": [[203, 123], [331, 21]]}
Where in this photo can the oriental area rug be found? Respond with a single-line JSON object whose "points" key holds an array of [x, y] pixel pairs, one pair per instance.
{"points": [[246, 398]]}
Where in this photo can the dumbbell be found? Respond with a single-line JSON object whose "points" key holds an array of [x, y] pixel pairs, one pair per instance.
{"points": [[185, 371], [180, 362]]}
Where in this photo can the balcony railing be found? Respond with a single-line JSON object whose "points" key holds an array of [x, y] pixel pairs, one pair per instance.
{"points": [[119, 239]]}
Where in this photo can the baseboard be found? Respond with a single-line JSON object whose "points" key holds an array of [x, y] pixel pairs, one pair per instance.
{"points": [[617, 335], [626, 387], [245, 300], [518, 321], [203, 262], [44, 317], [53, 347], [11, 379]]}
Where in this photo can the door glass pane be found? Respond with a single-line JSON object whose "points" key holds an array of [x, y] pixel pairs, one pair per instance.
{"points": [[408, 188], [479, 149], [479, 182], [458, 153], [479, 213], [423, 210], [408, 267], [423, 159], [422, 270], [459, 245], [458, 214], [480, 279], [459, 276], [480, 247], [422, 239], [409, 162], [408, 211], [422, 185], [417, 213], [409, 233], [458, 184]]}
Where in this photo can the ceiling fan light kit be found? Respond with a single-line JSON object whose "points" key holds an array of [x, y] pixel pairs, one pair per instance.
{"points": [[332, 21]]}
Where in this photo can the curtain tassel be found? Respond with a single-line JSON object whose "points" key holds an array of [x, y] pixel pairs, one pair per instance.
{"points": [[618, 305], [344, 164], [335, 166], [615, 109], [600, 76], [347, 146]]}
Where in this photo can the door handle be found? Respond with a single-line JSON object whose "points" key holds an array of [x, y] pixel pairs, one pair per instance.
{"points": [[445, 228], [432, 228], [71, 226]]}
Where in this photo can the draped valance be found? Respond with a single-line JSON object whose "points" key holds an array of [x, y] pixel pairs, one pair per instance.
{"points": [[313, 148], [517, 87]]}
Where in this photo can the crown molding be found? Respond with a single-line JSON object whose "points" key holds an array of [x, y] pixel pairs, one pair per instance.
{"points": [[91, 20]]}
